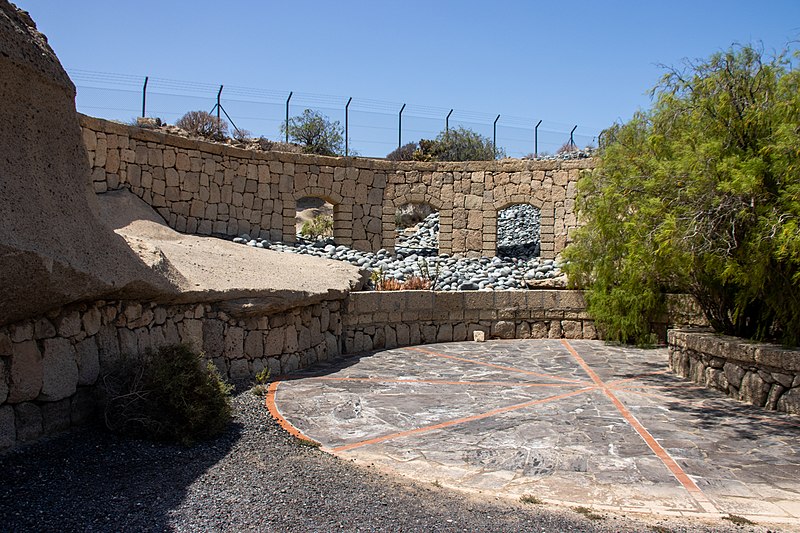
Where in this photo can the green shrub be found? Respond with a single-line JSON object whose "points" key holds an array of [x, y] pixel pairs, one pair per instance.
{"points": [[319, 226], [403, 153], [700, 194], [316, 133], [204, 124], [172, 394], [460, 144]]}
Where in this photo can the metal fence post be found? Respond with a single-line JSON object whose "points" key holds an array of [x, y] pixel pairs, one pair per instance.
{"points": [[400, 127], [494, 137], [219, 107], [447, 122], [287, 117], [571, 141], [536, 140], [144, 96], [347, 127]]}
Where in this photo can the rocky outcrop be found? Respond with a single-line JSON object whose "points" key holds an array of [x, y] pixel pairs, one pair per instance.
{"points": [[248, 281], [53, 249]]}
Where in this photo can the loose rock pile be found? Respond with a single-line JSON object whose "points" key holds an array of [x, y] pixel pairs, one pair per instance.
{"points": [[517, 234], [445, 272], [518, 231]]}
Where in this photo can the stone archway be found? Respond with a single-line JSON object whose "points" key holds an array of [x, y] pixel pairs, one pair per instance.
{"points": [[342, 216]]}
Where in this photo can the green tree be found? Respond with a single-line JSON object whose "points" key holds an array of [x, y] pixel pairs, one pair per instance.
{"points": [[460, 144], [699, 194], [316, 133]]}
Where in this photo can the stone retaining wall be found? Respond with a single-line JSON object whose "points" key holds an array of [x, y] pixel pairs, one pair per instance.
{"points": [[761, 374], [209, 188], [376, 320], [49, 366]]}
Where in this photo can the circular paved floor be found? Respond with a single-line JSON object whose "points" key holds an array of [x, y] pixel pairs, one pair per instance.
{"points": [[572, 422]]}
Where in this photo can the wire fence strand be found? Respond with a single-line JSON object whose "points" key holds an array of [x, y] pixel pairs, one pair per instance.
{"points": [[373, 123]]}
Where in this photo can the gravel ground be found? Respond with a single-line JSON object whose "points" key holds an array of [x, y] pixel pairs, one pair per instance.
{"points": [[254, 478]]}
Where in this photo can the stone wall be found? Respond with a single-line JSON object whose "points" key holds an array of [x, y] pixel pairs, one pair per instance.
{"points": [[210, 188], [376, 320], [760, 374], [49, 366]]}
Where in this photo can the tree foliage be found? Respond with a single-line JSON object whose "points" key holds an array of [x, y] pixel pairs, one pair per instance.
{"points": [[403, 153], [316, 133], [699, 194], [460, 144]]}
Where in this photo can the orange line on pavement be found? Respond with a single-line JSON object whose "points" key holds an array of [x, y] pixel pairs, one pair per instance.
{"points": [[273, 410], [443, 382], [664, 397], [449, 423], [500, 367], [676, 470]]}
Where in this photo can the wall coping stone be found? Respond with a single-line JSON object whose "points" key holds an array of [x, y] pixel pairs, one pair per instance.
{"points": [[736, 349]]}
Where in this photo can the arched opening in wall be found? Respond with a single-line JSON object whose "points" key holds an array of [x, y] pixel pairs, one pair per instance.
{"points": [[314, 219], [417, 227], [518, 231]]}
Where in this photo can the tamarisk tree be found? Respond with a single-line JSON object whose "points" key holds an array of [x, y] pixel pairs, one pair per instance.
{"points": [[699, 194]]}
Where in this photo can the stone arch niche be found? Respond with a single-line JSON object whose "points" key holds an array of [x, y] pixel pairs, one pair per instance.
{"points": [[417, 229], [546, 223], [518, 231], [394, 207], [342, 215]]}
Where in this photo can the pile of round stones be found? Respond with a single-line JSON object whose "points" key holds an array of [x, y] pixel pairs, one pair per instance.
{"points": [[416, 255]]}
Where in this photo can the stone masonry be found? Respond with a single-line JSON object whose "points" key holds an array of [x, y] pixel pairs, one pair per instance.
{"points": [[49, 366], [214, 189], [760, 374]]}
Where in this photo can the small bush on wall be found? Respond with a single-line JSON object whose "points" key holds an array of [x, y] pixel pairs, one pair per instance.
{"points": [[204, 124]]}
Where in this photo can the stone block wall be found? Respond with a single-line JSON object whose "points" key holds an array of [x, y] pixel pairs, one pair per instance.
{"points": [[215, 189], [49, 366], [760, 374], [376, 320]]}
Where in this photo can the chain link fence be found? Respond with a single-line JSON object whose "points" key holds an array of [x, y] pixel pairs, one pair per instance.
{"points": [[374, 126]]}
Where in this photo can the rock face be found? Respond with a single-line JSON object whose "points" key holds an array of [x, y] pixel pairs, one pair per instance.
{"points": [[50, 232]]}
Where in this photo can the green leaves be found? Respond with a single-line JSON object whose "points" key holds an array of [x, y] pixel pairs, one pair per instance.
{"points": [[316, 133], [699, 194]]}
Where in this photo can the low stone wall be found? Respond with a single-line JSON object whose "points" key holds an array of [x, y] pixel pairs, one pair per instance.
{"points": [[210, 188], [760, 374], [49, 367], [376, 320]]}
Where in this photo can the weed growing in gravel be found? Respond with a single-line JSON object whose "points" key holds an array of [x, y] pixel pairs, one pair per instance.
{"points": [[436, 484], [588, 513], [307, 442], [739, 520], [262, 380], [530, 498], [171, 394]]}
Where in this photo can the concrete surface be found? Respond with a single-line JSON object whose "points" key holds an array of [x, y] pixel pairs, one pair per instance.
{"points": [[570, 422]]}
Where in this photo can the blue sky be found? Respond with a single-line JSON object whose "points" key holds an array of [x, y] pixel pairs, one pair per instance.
{"points": [[568, 63]]}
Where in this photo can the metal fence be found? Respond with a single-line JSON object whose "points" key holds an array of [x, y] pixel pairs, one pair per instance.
{"points": [[374, 127]]}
